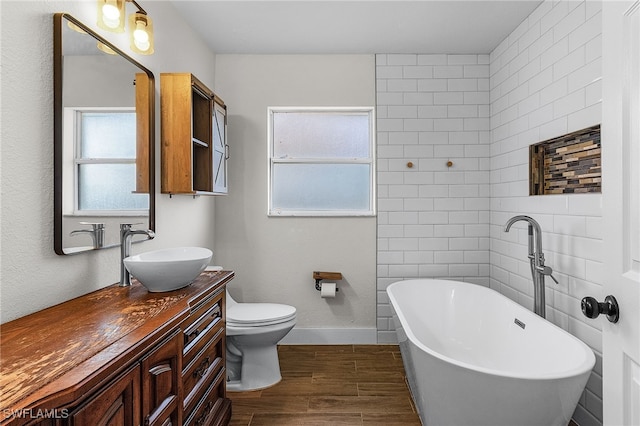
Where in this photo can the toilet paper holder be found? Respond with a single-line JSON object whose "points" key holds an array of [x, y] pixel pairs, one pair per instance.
{"points": [[319, 276]]}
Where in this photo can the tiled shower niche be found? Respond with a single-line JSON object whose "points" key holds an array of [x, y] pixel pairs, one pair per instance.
{"points": [[566, 164]]}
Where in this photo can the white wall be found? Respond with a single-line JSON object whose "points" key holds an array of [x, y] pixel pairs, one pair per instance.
{"points": [[274, 257], [433, 220], [32, 276], [546, 82]]}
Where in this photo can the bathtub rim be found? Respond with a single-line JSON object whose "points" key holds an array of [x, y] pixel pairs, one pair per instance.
{"points": [[585, 367]]}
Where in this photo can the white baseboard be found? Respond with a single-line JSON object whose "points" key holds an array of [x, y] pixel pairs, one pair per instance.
{"points": [[330, 336]]}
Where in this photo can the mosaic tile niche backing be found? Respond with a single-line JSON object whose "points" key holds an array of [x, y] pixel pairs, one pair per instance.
{"points": [[566, 164]]}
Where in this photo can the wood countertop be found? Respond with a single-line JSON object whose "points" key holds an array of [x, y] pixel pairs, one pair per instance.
{"points": [[55, 356]]}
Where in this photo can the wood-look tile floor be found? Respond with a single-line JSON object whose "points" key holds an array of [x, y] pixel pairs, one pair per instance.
{"points": [[331, 385]]}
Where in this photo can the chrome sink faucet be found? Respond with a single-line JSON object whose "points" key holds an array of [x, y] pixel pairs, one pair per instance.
{"points": [[536, 261], [126, 233], [96, 232]]}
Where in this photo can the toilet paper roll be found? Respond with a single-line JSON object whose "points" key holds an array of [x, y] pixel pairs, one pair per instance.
{"points": [[328, 290]]}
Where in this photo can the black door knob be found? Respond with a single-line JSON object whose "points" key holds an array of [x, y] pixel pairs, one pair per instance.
{"points": [[591, 308]]}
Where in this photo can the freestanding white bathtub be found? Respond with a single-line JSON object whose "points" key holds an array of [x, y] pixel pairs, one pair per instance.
{"points": [[474, 357]]}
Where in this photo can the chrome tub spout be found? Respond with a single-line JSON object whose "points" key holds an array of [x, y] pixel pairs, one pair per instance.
{"points": [[536, 261]]}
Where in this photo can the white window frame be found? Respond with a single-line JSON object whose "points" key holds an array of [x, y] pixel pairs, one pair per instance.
{"points": [[371, 211], [72, 143]]}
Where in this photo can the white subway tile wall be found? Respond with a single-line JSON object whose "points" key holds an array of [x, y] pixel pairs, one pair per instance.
{"points": [[545, 82], [433, 220], [482, 112]]}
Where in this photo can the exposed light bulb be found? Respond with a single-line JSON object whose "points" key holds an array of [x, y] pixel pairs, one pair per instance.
{"points": [[110, 11], [140, 36], [110, 15], [143, 45], [141, 33]]}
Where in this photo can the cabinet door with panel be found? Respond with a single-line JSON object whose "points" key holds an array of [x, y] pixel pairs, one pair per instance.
{"points": [[161, 387], [118, 404], [220, 147]]}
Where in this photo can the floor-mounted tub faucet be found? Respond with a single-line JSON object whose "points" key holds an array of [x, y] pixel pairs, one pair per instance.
{"points": [[126, 233], [536, 260]]}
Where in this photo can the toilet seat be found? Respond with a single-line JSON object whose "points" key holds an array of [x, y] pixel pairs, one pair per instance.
{"points": [[259, 314]]}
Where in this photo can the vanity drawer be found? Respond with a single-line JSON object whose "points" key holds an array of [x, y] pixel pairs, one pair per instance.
{"points": [[201, 331], [198, 375], [199, 309], [212, 405]]}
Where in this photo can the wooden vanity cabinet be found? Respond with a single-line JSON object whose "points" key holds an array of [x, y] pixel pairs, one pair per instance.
{"points": [[118, 404], [126, 358]]}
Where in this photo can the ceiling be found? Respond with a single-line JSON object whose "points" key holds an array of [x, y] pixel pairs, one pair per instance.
{"points": [[348, 27]]}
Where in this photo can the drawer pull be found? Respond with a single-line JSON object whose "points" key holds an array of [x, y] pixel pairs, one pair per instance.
{"points": [[203, 417], [213, 314], [202, 369], [191, 335]]}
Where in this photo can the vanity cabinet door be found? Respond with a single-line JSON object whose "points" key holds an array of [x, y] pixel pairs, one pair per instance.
{"points": [[161, 387], [116, 405]]}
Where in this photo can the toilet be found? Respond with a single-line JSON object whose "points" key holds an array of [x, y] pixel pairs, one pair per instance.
{"points": [[253, 331]]}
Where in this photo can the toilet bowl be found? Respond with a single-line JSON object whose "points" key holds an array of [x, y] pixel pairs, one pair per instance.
{"points": [[253, 332]]}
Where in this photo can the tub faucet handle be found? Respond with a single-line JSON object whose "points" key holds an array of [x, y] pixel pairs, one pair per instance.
{"points": [[546, 270]]}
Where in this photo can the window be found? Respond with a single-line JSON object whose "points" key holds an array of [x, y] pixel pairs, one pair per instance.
{"points": [[321, 162], [104, 161]]}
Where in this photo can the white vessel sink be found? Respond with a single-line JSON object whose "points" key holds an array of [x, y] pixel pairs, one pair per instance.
{"points": [[168, 269]]}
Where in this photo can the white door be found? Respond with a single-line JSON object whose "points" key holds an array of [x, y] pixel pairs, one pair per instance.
{"points": [[621, 209]]}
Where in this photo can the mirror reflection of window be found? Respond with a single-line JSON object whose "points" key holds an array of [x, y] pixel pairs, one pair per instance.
{"points": [[105, 163]]}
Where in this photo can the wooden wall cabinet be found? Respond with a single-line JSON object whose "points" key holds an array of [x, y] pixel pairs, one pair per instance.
{"points": [[120, 356], [194, 138]]}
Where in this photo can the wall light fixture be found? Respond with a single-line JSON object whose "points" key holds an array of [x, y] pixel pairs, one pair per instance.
{"points": [[111, 17]]}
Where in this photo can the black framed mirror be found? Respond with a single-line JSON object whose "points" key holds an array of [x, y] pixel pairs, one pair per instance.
{"points": [[103, 140]]}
